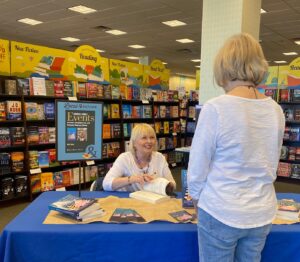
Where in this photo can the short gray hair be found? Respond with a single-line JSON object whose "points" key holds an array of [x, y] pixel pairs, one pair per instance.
{"points": [[240, 58]]}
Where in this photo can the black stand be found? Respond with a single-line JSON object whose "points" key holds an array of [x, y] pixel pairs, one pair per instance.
{"points": [[79, 182]]}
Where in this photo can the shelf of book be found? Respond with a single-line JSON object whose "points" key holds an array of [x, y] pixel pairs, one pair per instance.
{"points": [[27, 114]]}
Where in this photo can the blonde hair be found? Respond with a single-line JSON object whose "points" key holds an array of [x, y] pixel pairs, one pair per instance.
{"points": [[139, 131], [240, 58]]}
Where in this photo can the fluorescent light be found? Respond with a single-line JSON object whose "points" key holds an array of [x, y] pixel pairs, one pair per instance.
{"points": [[29, 21], [280, 62], [70, 39], [136, 46], [297, 42], [82, 9], [185, 40], [132, 57], [291, 53], [196, 60], [100, 51], [164, 63], [115, 32], [174, 23], [262, 11]]}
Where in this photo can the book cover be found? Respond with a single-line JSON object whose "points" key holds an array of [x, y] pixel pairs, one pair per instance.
{"points": [[284, 95], [52, 135], [40, 112], [115, 111], [43, 135], [182, 216], [67, 176], [91, 90], [162, 111], [107, 91], [72, 205], [31, 111], [126, 108], [43, 159], [135, 93], [59, 88], [116, 130], [68, 89], [284, 169], [3, 111], [100, 93], [4, 137], [186, 198], [35, 181], [47, 183], [17, 161], [81, 90], [33, 156], [289, 114], [106, 132], [10, 87], [49, 84], [123, 91], [147, 111], [38, 86], [126, 215], [288, 209], [17, 136], [49, 110], [23, 86], [13, 110], [115, 92], [52, 157], [4, 163]]}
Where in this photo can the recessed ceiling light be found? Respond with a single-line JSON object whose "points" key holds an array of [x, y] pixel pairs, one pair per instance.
{"points": [[70, 39], [196, 60], [100, 51], [29, 21], [185, 40], [174, 23], [280, 62], [291, 53], [136, 46], [115, 32], [297, 42], [82, 9], [132, 57], [262, 11]]}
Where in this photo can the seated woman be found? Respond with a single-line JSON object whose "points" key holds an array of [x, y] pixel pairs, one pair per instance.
{"points": [[140, 165]]}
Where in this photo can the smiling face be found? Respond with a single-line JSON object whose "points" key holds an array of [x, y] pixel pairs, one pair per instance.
{"points": [[145, 144]]}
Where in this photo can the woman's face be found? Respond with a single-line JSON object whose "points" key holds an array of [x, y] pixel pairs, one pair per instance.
{"points": [[145, 144]]}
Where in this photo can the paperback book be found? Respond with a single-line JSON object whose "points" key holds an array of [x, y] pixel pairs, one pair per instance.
{"points": [[186, 198], [126, 215]]}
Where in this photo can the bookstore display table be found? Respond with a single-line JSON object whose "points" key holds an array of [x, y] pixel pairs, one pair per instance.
{"points": [[27, 239]]}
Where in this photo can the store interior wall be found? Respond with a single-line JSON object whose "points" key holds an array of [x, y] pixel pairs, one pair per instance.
{"points": [[189, 83]]}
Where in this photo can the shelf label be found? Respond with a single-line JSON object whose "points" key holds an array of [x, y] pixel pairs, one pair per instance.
{"points": [[35, 171], [145, 101], [60, 189], [174, 134], [72, 98], [173, 164], [90, 163]]}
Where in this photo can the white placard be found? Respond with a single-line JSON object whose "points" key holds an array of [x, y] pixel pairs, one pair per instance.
{"points": [[35, 171], [72, 98], [90, 163], [60, 189], [145, 101]]}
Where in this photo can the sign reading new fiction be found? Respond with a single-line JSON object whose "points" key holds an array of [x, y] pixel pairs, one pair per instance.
{"points": [[78, 130]]}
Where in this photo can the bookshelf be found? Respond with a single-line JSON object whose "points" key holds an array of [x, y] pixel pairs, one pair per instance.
{"points": [[289, 165], [33, 167]]}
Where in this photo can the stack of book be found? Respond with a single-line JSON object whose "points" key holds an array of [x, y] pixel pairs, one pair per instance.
{"points": [[78, 208], [288, 209]]}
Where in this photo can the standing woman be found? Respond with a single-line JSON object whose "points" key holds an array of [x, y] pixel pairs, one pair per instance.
{"points": [[140, 165], [234, 157]]}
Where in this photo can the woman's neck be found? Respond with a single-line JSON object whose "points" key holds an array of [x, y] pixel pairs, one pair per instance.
{"points": [[142, 159], [243, 89]]}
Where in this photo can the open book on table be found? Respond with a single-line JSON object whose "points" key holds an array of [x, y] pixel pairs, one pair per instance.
{"points": [[153, 192]]}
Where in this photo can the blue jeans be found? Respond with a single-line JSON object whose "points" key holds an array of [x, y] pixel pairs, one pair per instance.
{"points": [[221, 243]]}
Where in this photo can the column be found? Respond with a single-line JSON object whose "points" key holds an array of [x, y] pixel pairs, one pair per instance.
{"points": [[220, 20]]}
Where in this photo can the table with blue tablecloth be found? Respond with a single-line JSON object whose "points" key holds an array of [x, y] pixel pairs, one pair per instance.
{"points": [[26, 238]]}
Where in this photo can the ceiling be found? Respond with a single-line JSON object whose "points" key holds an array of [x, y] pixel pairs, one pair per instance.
{"points": [[142, 20]]}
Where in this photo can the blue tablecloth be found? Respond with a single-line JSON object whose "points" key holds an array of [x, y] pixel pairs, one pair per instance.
{"points": [[27, 239]]}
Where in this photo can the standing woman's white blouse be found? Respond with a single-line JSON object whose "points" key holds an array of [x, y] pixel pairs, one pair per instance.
{"points": [[234, 157]]}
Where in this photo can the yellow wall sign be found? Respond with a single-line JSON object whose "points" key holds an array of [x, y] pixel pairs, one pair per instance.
{"points": [[4, 58], [156, 75], [293, 75], [122, 72], [31, 60], [87, 64]]}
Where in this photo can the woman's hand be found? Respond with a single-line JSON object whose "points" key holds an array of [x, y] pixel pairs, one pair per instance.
{"points": [[141, 179]]}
